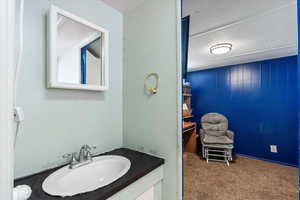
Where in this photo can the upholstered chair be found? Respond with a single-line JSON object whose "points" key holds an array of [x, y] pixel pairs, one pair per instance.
{"points": [[215, 131]]}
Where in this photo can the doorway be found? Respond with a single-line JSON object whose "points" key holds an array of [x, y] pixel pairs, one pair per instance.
{"points": [[240, 100]]}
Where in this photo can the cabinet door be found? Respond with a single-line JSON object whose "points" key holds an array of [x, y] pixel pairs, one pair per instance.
{"points": [[148, 195]]}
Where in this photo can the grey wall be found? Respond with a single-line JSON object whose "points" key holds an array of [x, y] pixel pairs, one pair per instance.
{"points": [[60, 121], [151, 123]]}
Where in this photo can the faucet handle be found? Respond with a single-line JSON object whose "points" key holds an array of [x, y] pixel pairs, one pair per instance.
{"points": [[74, 159], [83, 153], [87, 147], [70, 156], [88, 151], [89, 155], [67, 155]]}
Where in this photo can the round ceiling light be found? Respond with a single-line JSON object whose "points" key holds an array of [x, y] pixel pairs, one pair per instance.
{"points": [[221, 48]]}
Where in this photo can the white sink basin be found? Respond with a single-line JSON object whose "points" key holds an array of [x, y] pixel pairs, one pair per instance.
{"points": [[101, 172]]}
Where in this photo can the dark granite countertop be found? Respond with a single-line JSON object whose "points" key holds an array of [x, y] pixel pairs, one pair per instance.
{"points": [[141, 164]]}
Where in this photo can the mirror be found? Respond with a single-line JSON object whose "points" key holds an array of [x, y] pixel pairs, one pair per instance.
{"points": [[78, 52]]}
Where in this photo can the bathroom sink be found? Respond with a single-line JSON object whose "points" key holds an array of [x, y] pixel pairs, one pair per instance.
{"points": [[101, 172]]}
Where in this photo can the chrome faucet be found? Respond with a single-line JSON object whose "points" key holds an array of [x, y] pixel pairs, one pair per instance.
{"points": [[85, 153], [84, 158]]}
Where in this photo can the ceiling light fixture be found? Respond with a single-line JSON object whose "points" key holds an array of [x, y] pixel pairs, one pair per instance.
{"points": [[221, 48]]}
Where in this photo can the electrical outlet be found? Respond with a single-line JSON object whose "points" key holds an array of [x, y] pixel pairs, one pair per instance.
{"points": [[19, 114], [273, 148]]}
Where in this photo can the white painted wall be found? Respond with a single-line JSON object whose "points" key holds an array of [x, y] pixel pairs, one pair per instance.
{"points": [[124, 5], [151, 123], [59, 121]]}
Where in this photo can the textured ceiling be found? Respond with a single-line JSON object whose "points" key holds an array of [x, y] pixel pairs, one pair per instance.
{"points": [[123, 5], [257, 29]]}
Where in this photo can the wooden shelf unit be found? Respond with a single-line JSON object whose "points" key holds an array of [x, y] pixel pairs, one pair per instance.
{"points": [[189, 127], [187, 95], [188, 117]]}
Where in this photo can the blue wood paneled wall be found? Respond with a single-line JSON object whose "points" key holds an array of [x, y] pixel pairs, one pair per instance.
{"points": [[185, 32], [260, 101], [298, 16]]}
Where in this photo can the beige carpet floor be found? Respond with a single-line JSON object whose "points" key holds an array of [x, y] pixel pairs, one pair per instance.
{"points": [[246, 179]]}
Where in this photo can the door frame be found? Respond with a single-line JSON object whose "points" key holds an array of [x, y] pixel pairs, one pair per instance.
{"points": [[298, 75], [179, 103], [7, 62]]}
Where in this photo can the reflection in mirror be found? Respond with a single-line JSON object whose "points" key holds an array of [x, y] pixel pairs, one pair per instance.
{"points": [[79, 57]]}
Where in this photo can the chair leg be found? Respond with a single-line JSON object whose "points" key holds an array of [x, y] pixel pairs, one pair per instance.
{"points": [[227, 157], [230, 154], [227, 162]]}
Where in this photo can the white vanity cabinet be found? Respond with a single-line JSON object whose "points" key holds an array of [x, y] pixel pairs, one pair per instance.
{"points": [[148, 195], [148, 187]]}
